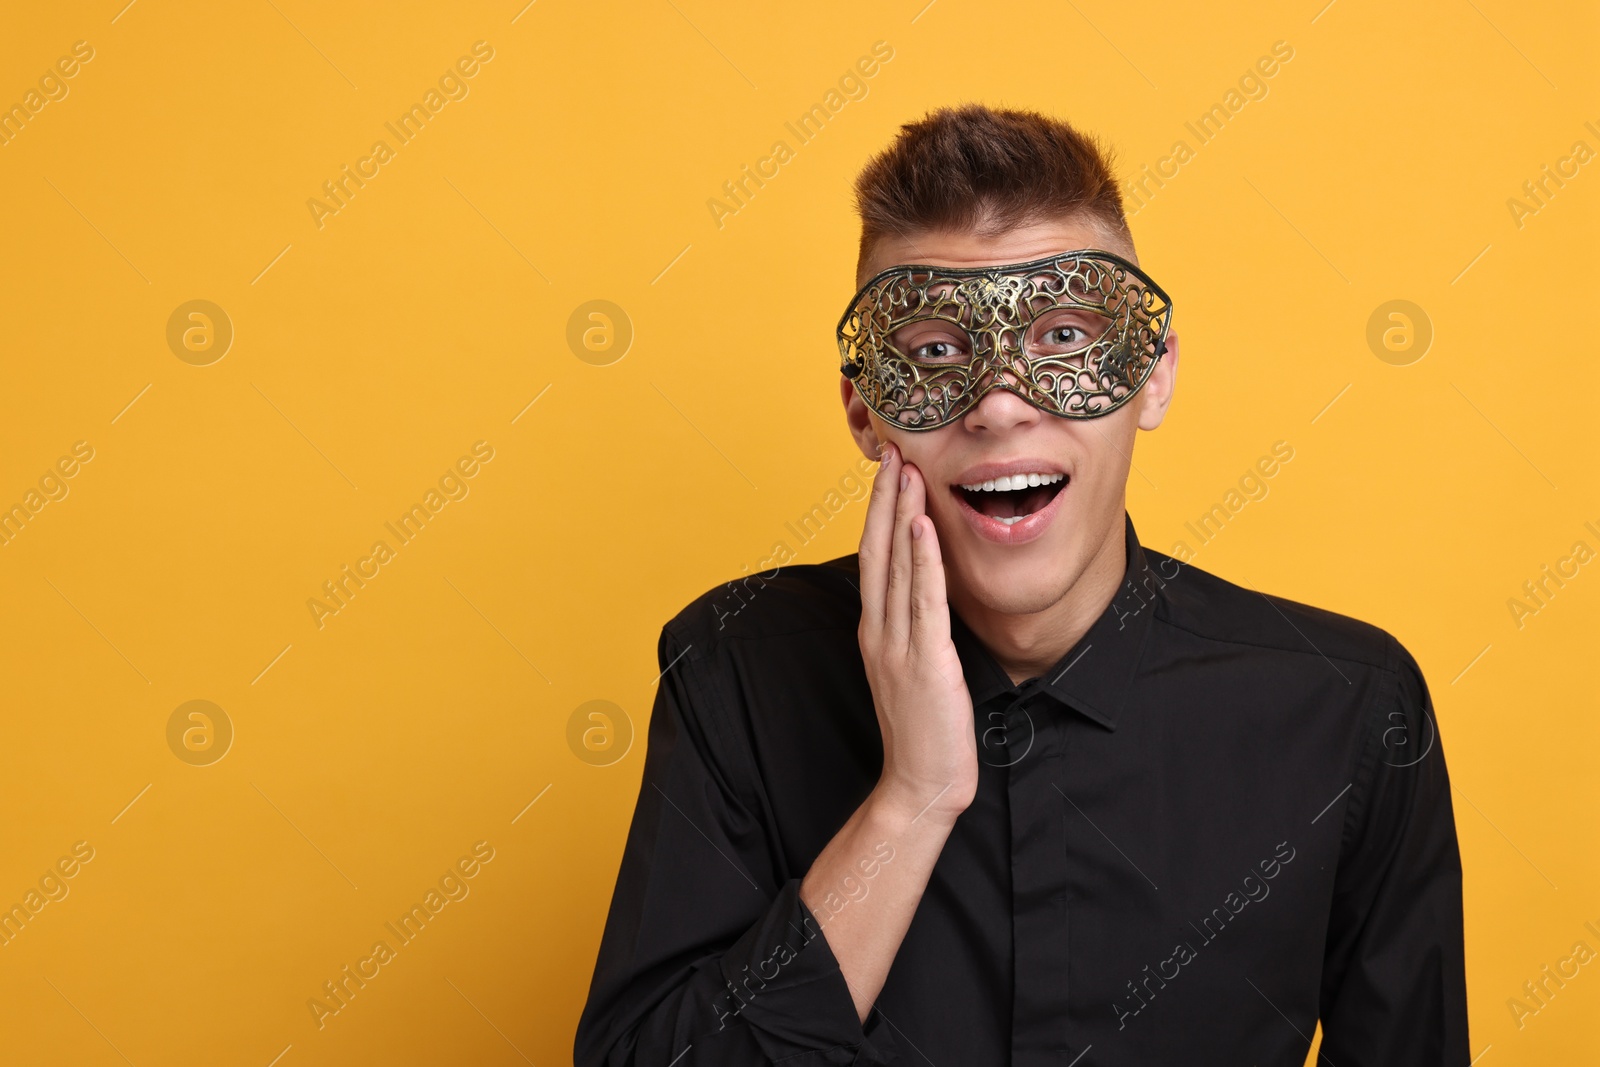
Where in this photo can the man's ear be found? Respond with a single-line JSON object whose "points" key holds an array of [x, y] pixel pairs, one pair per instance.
{"points": [[859, 419], [1157, 392]]}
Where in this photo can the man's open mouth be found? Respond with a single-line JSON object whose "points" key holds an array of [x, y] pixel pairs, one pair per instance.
{"points": [[1014, 497]]}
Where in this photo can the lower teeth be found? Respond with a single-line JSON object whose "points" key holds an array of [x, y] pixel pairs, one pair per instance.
{"points": [[1013, 519]]}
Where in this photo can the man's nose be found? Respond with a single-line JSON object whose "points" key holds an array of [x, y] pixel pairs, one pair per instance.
{"points": [[998, 408]]}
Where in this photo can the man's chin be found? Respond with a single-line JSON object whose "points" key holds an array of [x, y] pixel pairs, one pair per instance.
{"points": [[1012, 590]]}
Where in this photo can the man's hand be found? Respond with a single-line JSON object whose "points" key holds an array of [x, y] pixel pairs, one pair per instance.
{"points": [[930, 756]]}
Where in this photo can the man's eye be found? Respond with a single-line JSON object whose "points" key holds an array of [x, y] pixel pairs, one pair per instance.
{"points": [[1062, 337], [936, 352]]}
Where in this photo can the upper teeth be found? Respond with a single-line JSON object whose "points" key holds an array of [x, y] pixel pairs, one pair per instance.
{"points": [[1014, 481]]}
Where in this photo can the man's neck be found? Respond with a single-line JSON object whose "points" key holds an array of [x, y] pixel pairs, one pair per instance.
{"points": [[1025, 646]]}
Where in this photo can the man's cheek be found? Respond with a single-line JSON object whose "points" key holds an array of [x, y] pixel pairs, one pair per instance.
{"points": [[920, 451]]}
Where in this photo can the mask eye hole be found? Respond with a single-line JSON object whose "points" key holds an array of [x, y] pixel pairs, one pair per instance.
{"points": [[1065, 331], [932, 343]]}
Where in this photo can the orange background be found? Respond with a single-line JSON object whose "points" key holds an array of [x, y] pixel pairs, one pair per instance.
{"points": [[372, 347]]}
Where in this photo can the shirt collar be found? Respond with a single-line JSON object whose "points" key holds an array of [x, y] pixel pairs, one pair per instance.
{"points": [[1094, 676]]}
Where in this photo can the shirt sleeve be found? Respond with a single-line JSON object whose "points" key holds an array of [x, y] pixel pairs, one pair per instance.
{"points": [[709, 956], [1394, 983]]}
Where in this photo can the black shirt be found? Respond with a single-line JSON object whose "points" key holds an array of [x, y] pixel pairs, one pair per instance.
{"points": [[1221, 817]]}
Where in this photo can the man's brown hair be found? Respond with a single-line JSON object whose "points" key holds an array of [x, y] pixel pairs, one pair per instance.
{"points": [[986, 170]]}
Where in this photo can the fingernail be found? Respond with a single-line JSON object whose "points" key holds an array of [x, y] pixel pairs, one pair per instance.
{"points": [[916, 530], [905, 479]]}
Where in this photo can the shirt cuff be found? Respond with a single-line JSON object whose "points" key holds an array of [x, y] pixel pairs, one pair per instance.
{"points": [[782, 980]]}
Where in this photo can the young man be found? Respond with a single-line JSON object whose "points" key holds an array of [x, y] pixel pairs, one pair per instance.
{"points": [[1007, 787]]}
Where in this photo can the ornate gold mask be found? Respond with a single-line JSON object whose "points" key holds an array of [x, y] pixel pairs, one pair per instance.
{"points": [[1075, 334]]}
